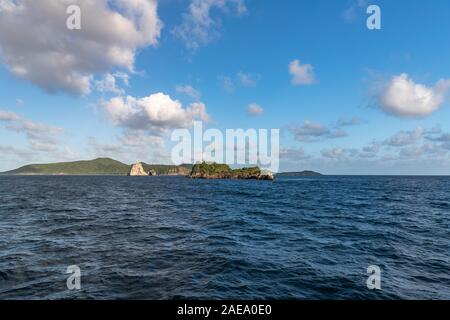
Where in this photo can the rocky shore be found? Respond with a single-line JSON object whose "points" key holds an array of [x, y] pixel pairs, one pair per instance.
{"points": [[137, 170]]}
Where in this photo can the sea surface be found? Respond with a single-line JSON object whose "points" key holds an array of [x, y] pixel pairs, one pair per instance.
{"points": [[174, 238]]}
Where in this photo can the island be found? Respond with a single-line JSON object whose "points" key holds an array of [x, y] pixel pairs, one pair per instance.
{"points": [[306, 173], [101, 167], [111, 167], [206, 170]]}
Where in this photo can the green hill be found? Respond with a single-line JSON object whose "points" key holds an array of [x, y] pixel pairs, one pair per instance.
{"points": [[100, 166]]}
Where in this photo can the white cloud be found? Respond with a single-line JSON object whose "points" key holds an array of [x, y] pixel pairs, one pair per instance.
{"points": [[302, 74], [255, 109], [36, 46], [199, 27], [41, 137], [108, 85], [156, 113], [189, 91], [402, 97], [8, 116]]}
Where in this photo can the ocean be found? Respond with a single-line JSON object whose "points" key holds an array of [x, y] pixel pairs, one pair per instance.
{"points": [[176, 238]]}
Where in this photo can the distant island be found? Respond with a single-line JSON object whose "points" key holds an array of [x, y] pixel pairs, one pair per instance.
{"points": [[222, 171], [100, 166], [306, 173]]}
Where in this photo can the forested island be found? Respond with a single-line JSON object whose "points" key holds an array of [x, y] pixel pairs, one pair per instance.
{"points": [[306, 173], [222, 171]]}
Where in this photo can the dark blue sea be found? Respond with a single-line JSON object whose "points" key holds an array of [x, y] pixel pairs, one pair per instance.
{"points": [[173, 238]]}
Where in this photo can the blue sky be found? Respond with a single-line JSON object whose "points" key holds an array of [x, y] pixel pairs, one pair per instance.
{"points": [[359, 102]]}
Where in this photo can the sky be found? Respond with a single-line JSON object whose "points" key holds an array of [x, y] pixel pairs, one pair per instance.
{"points": [[347, 99]]}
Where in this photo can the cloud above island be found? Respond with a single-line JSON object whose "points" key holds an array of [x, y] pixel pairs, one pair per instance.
{"points": [[156, 113]]}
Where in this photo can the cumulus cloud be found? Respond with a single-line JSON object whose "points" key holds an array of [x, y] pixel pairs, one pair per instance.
{"points": [[302, 74], [156, 113], [255, 110], [36, 46], [189, 91], [404, 98], [199, 27], [8, 116]]}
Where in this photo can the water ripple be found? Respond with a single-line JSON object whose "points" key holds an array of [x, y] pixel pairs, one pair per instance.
{"points": [[171, 238]]}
